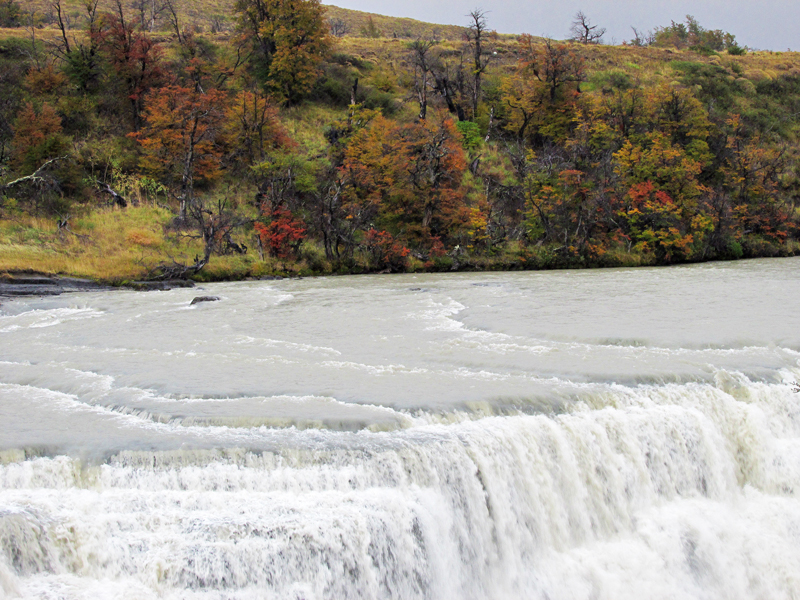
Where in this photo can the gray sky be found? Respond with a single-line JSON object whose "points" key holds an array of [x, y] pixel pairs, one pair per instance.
{"points": [[769, 24]]}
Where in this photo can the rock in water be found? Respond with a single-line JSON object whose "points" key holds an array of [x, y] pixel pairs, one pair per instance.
{"points": [[200, 299]]}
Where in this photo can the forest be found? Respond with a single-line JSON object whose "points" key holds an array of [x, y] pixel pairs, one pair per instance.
{"points": [[162, 139]]}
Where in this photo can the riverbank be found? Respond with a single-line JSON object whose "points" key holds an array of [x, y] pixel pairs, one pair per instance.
{"points": [[129, 248], [28, 283]]}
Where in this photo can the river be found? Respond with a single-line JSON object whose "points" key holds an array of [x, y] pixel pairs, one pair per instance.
{"points": [[605, 434]]}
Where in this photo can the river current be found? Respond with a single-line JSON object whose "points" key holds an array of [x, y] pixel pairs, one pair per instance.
{"points": [[604, 435]]}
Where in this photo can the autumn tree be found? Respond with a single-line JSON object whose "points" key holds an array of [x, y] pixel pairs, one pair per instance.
{"points": [[336, 213], [655, 224], [563, 207], [252, 123], [388, 254], [625, 111], [683, 118], [182, 140], [134, 57], [753, 171], [666, 165], [37, 137], [407, 178], [541, 93], [554, 65], [289, 39], [39, 154], [608, 119], [283, 233]]}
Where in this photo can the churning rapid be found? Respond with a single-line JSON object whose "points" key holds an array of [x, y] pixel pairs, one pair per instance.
{"points": [[618, 434]]}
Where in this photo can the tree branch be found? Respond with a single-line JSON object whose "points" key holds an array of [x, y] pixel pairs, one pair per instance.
{"points": [[33, 177]]}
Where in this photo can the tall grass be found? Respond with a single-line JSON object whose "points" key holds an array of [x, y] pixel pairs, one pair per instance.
{"points": [[108, 245]]}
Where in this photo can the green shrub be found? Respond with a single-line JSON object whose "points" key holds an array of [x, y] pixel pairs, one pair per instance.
{"points": [[471, 132], [10, 14]]}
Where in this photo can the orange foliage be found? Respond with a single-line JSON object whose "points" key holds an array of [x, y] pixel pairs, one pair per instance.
{"points": [[182, 137], [45, 80], [36, 137], [654, 223], [408, 177]]}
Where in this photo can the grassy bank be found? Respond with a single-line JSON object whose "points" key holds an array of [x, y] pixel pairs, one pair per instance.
{"points": [[117, 246]]}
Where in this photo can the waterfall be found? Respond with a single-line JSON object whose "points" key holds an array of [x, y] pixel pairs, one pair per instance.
{"points": [[597, 435], [658, 491]]}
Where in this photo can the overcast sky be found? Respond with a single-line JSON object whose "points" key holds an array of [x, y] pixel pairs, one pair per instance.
{"points": [[766, 24]]}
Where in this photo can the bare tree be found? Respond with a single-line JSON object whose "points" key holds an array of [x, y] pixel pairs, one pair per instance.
{"points": [[148, 12], [422, 68], [338, 27], [450, 83], [31, 27], [216, 220], [642, 38], [584, 32], [476, 36], [219, 23]]}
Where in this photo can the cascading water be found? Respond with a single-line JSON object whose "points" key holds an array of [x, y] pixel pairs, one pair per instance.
{"points": [[607, 434]]}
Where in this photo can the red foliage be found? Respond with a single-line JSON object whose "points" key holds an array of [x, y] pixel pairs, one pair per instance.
{"points": [[642, 196], [389, 254], [653, 222], [437, 247], [135, 58], [283, 235]]}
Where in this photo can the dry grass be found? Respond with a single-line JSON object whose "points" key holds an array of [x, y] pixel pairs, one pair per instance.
{"points": [[648, 66], [393, 27], [108, 245], [115, 246], [199, 13]]}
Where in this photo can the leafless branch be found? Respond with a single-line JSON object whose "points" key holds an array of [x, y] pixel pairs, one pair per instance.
{"points": [[35, 177], [584, 32]]}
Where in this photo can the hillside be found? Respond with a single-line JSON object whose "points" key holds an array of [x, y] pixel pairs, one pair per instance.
{"points": [[554, 155], [216, 16]]}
